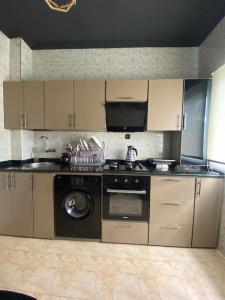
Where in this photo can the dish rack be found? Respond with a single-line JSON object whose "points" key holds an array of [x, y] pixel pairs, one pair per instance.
{"points": [[88, 157]]}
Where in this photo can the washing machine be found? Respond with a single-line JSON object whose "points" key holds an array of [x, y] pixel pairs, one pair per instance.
{"points": [[77, 206]]}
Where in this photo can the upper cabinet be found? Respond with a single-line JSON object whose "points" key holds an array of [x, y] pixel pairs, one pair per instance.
{"points": [[24, 105], [89, 105], [33, 104], [59, 105], [127, 90], [165, 101], [13, 104]]}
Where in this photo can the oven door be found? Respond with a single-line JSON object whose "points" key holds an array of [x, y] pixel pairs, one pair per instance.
{"points": [[122, 204]]}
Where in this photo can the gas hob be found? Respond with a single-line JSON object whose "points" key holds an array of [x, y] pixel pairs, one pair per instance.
{"points": [[122, 165]]}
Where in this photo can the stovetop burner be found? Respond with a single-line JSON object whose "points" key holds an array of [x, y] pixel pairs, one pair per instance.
{"points": [[122, 165]]}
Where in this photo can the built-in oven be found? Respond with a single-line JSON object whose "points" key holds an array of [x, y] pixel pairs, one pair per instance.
{"points": [[126, 197]]}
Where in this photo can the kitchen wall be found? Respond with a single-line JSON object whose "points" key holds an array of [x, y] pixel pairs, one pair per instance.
{"points": [[211, 57], [132, 63], [148, 144], [5, 148], [212, 51], [125, 63]]}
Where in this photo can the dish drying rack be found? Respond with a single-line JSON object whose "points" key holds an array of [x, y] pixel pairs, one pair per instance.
{"points": [[86, 152]]}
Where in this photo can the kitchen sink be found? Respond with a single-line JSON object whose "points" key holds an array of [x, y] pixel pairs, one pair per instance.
{"points": [[39, 165]]}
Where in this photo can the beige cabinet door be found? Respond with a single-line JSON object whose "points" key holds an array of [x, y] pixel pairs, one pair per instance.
{"points": [[43, 205], [165, 103], [172, 189], [22, 204], [13, 104], [89, 104], [127, 90], [125, 232], [59, 105], [5, 205], [207, 212], [34, 104]]}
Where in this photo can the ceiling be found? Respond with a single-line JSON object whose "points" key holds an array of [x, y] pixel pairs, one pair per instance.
{"points": [[111, 23]]}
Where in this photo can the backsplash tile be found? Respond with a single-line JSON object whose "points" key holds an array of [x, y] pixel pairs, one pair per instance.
{"points": [[148, 144]]}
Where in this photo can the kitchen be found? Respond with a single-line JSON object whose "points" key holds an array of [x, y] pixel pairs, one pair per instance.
{"points": [[102, 67]]}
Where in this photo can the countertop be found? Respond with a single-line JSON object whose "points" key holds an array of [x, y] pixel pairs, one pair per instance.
{"points": [[18, 166]]}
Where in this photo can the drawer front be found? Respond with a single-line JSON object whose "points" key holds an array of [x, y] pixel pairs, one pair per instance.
{"points": [[172, 212], [125, 232], [168, 188], [170, 235]]}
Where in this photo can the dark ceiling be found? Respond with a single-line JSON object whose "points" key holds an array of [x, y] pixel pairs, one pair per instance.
{"points": [[111, 23]]}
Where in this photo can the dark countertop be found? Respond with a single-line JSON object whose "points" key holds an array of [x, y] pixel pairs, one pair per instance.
{"points": [[18, 166]]}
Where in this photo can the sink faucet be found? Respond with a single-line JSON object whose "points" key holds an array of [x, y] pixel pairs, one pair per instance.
{"points": [[44, 140]]}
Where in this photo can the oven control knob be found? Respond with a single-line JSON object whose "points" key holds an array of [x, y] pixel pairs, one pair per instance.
{"points": [[136, 180], [125, 180], [116, 180]]}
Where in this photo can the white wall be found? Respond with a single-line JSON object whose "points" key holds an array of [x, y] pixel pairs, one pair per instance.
{"points": [[211, 57]]}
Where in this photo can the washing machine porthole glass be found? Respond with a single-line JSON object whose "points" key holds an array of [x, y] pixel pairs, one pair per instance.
{"points": [[78, 204]]}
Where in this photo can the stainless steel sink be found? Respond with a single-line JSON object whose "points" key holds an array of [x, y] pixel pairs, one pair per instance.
{"points": [[39, 165]]}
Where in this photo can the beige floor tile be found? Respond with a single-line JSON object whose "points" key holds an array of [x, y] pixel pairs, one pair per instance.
{"points": [[166, 253], [180, 288], [208, 268], [172, 268], [214, 287], [202, 255], [131, 287]]}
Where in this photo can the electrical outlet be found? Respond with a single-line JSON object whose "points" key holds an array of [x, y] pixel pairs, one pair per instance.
{"points": [[127, 136]]}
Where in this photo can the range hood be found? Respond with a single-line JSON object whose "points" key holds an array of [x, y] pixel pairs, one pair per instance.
{"points": [[126, 116]]}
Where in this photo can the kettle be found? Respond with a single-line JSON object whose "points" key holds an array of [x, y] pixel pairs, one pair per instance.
{"points": [[131, 154]]}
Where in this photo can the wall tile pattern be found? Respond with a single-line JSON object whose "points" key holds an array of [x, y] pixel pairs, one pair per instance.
{"points": [[126, 63], [148, 144], [212, 51], [15, 59], [4, 75]]}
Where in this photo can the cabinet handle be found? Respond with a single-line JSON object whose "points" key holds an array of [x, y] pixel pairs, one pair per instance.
{"points": [[7, 182], [74, 121], [125, 98], [178, 121], [22, 121], [198, 188], [13, 181], [170, 179], [70, 121], [25, 121], [173, 227], [122, 226], [170, 203], [184, 121]]}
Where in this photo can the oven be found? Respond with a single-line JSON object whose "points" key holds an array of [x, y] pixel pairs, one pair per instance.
{"points": [[126, 197]]}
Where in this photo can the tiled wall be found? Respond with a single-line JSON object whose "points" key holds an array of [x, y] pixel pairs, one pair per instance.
{"points": [[126, 63], [5, 148], [148, 144], [212, 51], [133, 63]]}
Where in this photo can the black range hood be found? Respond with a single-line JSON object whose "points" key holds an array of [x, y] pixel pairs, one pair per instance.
{"points": [[126, 116]]}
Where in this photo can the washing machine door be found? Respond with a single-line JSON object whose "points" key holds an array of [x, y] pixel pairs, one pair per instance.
{"points": [[78, 204]]}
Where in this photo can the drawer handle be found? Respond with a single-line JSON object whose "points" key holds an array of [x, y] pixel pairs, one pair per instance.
{"points": [[126, 191], [125, 98], [170, 203], [122, 226], [173, 227], [170, 179]]}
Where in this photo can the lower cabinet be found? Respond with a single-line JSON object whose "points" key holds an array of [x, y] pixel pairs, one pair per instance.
{"points": [[171, 211], [26, 204], [43, 205], [208, 199], [16, 205], [125, 232], [5, 205]]}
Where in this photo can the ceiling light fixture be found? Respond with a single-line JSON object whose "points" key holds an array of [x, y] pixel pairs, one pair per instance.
{"points": [[65, 7]]}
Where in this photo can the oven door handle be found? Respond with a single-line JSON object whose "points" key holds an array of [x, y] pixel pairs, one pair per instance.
{"points": [[126, 191]]}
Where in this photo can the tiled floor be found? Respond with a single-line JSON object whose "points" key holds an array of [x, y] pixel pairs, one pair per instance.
{"points": [[53, 270]]}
